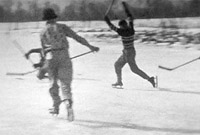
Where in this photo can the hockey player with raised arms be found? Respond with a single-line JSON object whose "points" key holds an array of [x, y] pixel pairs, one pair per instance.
{"points": [[126, 31]]}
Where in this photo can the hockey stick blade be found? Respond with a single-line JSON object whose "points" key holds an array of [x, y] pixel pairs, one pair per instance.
{"points": [[17, 74], [165, 68], [21, 74], [188, 62]]}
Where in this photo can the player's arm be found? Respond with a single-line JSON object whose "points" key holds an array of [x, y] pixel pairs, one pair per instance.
{"points": [[129, 15], [113, 27], [70, 33]]}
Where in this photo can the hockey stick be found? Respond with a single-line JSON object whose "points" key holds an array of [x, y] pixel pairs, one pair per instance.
{"points": [[19, 47], [170, 69], [81, 55], [25, 73], [21, 74], [109, 8]]}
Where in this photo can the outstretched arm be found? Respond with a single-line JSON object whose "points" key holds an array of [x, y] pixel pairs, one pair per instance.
{"points": [[113, 27], [126, 9], [129, 15], [70, 33]]}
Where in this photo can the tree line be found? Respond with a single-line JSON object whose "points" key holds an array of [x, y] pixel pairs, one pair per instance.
{"points": [[94, 10]]}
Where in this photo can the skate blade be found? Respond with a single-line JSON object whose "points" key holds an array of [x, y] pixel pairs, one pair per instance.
{"points": [[117, 87], [54, 115]]}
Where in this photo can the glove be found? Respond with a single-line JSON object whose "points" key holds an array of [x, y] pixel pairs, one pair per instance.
{"points": [[94, 49]]}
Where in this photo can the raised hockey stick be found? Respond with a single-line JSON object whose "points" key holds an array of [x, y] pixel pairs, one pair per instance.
{"points": [[171, 69], [109, 8]]}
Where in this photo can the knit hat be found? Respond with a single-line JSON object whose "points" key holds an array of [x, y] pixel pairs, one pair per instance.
{"points": [[49, 14]]}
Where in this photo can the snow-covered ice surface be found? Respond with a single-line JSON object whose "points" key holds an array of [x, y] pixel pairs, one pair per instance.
{"points": [[171, 109]]}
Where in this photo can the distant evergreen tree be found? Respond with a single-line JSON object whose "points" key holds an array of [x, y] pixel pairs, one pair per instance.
{"points": [[160, 8], [8, 15], [195, 7], [2, 14], [34, 11], [20, 13], [95, 10], [69, 13]]}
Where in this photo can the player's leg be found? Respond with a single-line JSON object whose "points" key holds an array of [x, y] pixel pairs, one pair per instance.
{"points": [[119, 64], [65, 76]]}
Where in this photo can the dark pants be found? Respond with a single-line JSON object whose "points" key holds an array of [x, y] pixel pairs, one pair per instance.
{"points": [[128, 56]]}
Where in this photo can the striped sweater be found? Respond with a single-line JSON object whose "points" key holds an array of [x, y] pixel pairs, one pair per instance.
{"points": [[127, 35]]}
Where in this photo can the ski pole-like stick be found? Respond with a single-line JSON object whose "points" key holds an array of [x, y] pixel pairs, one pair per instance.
{"points": [[19, 47], [170, 69], [109, 8]]}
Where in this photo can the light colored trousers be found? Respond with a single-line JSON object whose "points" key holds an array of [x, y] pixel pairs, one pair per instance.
{"points": [[60, 69]]}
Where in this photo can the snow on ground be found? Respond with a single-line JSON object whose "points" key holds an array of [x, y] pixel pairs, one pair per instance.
{"points": [[171, 109]]}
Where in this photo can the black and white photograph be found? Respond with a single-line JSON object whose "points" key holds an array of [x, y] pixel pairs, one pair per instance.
{"points": [[100, 67]]}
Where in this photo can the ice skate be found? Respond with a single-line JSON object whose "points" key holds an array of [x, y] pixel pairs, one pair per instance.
{"points": [[70, 112], [117, 85], [54, 111], [152, 81]]}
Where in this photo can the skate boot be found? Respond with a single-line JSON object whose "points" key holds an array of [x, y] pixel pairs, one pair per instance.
{"points": [[152, 81], [120, 84], [70, 112], [54, 111]]}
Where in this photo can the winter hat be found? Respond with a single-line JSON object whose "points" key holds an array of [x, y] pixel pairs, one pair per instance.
{"points": [[49, 14]]}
